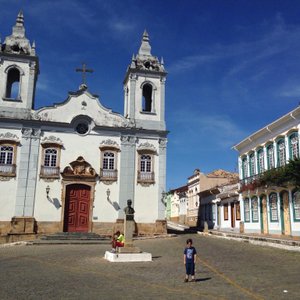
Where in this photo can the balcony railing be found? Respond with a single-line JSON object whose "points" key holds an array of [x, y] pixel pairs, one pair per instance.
{"points": [[7, 170], [146, 177], [49, 171], [111, 175]]}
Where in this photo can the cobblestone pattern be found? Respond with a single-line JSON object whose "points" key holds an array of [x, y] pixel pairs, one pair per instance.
{"points": [[225, 270]]}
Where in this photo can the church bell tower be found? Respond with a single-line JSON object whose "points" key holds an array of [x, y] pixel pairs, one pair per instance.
{"points": [[144, 89], [19, 68]]}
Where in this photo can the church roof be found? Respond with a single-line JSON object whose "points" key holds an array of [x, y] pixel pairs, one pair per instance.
{"points": [[17, 43], [144, 60]]}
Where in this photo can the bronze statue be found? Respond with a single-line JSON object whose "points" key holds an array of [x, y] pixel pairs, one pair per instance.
{"points": [[129, 211]]}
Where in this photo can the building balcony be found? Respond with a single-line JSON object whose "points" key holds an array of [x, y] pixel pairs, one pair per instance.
{"points": [[49, 172], [145, 177], [7, 170], [108, 175]]}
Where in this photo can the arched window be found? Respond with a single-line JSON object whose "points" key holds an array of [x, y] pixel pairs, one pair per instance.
{"points": [[50, 159], [296, 205], [13, 84], [50, 162], [294, 145], [147, 98], [6, 155], [260, 161], [270, 157], [244, 167], [146, 163], [254, 208], [281, 153], [108, 161], [273, 207], [246, 210], [252, 164], [109, 168], [7, 160]]}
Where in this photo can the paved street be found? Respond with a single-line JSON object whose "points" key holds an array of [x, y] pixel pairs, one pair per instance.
{"points": [[225, 270]]}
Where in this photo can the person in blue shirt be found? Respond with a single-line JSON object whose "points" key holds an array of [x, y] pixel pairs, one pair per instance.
{"points": [[189, 259]]}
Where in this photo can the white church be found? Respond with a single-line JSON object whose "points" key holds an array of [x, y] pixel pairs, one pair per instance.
{"points": [[72, 167]]}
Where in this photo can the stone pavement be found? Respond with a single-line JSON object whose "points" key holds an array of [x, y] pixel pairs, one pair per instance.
{"points": [[279, 241], [225, 269]]}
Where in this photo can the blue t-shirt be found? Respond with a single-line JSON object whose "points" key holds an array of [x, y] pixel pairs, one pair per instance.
{"points": [[189, 253]]}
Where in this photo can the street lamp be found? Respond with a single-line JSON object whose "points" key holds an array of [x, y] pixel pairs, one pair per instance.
{"points": [[108, 194], [163, 195], [47, 190]]}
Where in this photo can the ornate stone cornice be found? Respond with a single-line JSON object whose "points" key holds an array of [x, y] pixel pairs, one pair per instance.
{"points": [[8, 136], [79, 169], [146, 147], [162, 143], [109, 144], [128, 140], [34, 133], [52, 140]]}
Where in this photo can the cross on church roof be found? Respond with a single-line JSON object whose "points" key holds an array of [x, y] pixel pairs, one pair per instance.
{"points": [[84, 70]]}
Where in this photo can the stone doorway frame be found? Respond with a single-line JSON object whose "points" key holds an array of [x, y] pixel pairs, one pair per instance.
{"points": [[79, 172]]}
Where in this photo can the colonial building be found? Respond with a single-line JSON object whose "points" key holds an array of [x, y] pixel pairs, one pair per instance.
{"points": [[71, 167], [270, 209], [178, 204], [220, 207], [199, 182]]}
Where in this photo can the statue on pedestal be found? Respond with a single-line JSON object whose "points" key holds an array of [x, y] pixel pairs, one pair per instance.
{"points": [[129, 211]]}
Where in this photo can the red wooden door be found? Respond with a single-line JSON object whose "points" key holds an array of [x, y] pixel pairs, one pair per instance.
{"points": [[77, 208]]}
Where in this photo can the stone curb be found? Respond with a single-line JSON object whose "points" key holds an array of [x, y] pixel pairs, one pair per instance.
{"points": [[257, 240], [79, 242]]}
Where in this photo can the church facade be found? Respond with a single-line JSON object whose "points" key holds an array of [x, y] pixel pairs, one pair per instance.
{"points": [[73, 166]]}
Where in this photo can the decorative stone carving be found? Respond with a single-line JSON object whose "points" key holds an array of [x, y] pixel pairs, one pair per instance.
{"points": [[39, 116], [52, 140], [128, 139], [8, 136], [80, 169], [146, 147], [17, 43], [163, 143], [5, 178], [129, 123], [26, 132], [109, 144]]}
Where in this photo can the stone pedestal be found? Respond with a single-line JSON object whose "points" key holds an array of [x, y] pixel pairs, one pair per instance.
{"points": [[129, 227], [128, 257], [23, 225], [205, 229], [242, 227]]}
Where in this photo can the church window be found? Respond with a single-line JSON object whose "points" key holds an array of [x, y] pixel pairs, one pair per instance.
{"points": [[270, 156], [82, 128], [50, 161], [13, 84], [296, 205], [260, 161], [147, 98], [109, 170], [273, 207], [294, 145], [254, 209], [246, 210], [7, 166], [281, 153], [145, 172]]}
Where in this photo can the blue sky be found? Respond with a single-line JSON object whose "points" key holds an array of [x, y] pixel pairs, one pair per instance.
{"points": [[234, 66]]}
